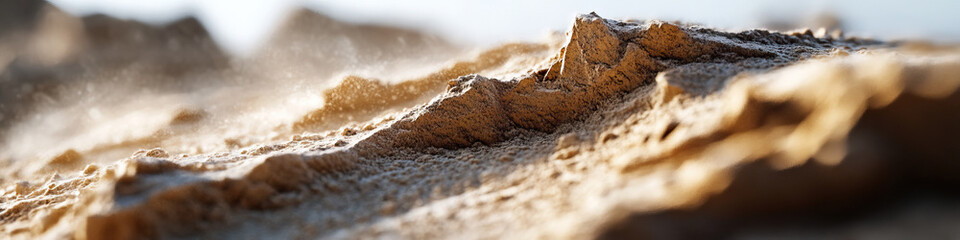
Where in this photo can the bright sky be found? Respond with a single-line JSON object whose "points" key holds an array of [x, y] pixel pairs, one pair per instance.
{"points": [[240, 25]]}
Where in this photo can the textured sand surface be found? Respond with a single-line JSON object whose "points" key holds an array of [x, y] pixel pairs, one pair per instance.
{"points": [[600, 133]]}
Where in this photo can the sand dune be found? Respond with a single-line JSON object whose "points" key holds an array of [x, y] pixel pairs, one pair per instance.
{"points": [[619, 129]]}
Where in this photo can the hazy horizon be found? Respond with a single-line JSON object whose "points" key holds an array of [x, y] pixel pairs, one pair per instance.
{"points": [[245, 24]]}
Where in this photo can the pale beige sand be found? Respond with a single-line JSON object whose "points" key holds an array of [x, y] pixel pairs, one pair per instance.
{"points": [[564, 139]]}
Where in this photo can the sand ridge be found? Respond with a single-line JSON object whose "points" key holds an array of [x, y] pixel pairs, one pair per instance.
{"points": [[625, 117]]}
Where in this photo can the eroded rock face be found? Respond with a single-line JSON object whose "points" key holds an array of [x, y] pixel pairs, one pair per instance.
{"points": [[625, 118]]}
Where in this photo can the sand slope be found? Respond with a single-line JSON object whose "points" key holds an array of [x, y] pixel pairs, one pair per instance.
{"points": [[521, 141]]}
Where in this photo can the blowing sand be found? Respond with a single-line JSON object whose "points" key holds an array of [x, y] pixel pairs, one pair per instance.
{"points": [[615, 129]]}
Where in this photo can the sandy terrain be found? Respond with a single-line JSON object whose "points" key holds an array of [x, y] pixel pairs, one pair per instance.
{"points": [[615, 129]]}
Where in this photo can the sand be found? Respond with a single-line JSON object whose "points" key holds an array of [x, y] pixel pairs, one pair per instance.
{"points": [[611, 130]]}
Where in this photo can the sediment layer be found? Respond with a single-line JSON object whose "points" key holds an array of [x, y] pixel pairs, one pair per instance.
{"points": [[627, 117]]}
